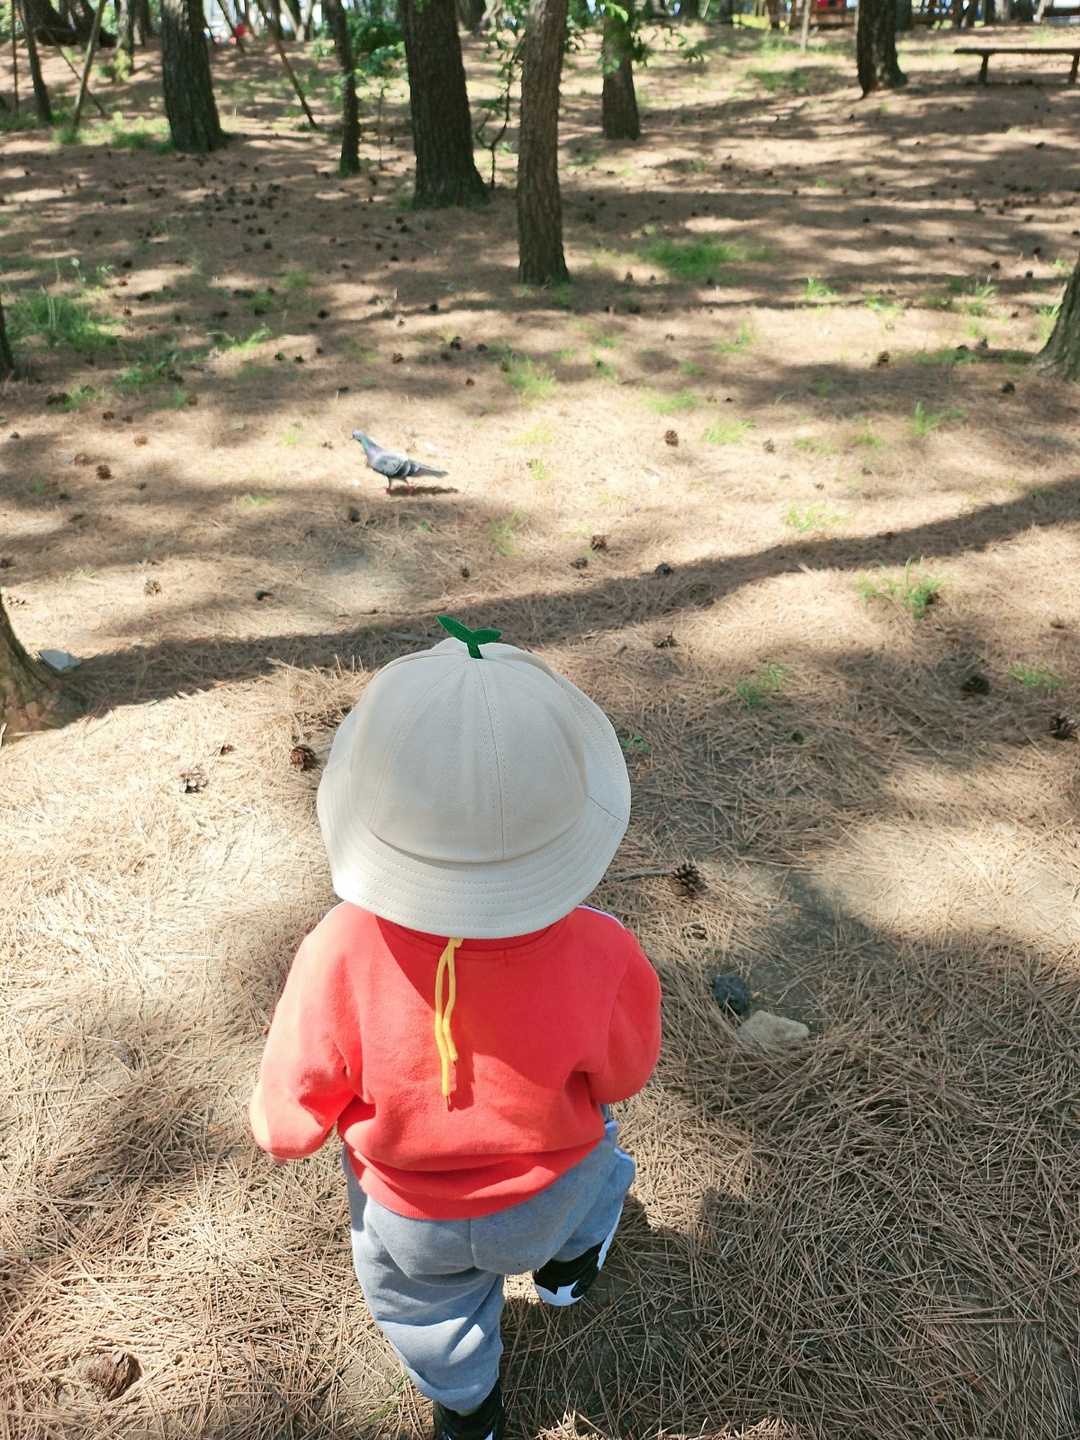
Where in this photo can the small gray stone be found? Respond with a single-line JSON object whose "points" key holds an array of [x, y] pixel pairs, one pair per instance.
{"points": [[60, 660], [772, 1031]]}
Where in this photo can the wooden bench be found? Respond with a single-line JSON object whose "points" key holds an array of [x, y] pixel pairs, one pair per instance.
{"points": [[987, 50]]}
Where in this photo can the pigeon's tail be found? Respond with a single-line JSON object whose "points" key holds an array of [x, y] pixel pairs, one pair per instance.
{"points": [[419, 469]]}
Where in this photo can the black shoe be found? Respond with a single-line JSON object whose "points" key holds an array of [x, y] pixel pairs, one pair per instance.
{"points": [[564, 1282], [488, 1422]]}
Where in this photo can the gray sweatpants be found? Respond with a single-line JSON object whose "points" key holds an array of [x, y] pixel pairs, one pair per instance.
{"points": [[435, 1287]]}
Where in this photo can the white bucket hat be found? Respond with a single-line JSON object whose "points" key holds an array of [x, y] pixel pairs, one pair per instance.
{"points": [[470, 792]]}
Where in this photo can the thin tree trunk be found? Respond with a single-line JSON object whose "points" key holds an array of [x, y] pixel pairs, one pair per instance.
{"points": [[349, 164], [539, 205], [7, 359], [446, 173], [41, 94], [30, 698], [1060, 357], [689, 9], [84, 81], [804, 35], [875, 46], [618, 106], [185, 74], [125, 26]]}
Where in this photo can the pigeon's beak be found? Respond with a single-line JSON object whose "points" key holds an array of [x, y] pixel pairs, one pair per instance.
{"points": [[359, 436]]}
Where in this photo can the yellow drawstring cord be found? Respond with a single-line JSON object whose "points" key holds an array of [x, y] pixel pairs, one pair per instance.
{"points": [[443, 1037]]}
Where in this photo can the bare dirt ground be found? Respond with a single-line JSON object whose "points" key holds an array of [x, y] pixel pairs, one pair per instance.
{"points": [[794, 358]]}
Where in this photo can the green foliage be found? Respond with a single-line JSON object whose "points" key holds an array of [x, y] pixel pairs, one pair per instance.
{"points": [[80, 396], [371, 33], [775, 80], [912, 590], [604, 368], [727, 432], [541, 470], [256, 502], [1046, 319], [633, 744], [817, 289], [744, 336], [149, 367], [503, 533], [230, 345], [701, 260], [813, 517], [1034, 677], [528, 381], [672, 404], [539, 434], [924, 421], [57, 320], [757, 690], [297, 278]]}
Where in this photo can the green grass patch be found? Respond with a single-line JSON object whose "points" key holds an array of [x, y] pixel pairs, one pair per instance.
{"points": [[541, 470], [1045, 320], [913, 590], [604, 368], [741, 340], [80, 396], [1034, 677], [727, 432], [503, 534], [818, 290], [703, 261], [149, 367], [539, 434], [256, 502], [868, 439], [527, 380], [297, 278], [671, 404], [811, 518], [775, 81], [924, 421], [55, 320], [757, 690], [634, 744]]}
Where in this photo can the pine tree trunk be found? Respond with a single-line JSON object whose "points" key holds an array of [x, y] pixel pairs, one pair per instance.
{"points": [[7, 359], [41, 94], [185, 74], [470, 14], [618, 106], [30, 698], [539, 205], [875, 46], [689, 9], [441, 124], [1060, 357], [349, 163], [45, 24], [125, 26]]}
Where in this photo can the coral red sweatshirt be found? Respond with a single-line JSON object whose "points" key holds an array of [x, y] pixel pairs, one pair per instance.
{"points": [[548, 1027]]}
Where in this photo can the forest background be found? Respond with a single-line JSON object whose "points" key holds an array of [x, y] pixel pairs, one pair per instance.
{"points": [[769, 466]]}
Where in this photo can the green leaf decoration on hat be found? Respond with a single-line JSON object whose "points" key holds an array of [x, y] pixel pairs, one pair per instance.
{"points": [[472, 638]]}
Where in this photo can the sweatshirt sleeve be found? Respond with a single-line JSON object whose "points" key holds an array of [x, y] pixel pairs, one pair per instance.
{"points": [[633, 1045], [303, 1083]]}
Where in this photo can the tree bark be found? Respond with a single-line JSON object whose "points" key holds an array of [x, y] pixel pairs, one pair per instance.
{"points": [[7, 359], [618, 106], [689, 9], [470, 14], [875, 46], [185, 74], [41, 94], [1060, 357], [539, 205], [349, 164], [439, 103], [30, 698]]}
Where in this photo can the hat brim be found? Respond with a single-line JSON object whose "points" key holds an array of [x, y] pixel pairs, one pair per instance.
{"points": [[489, 900]]}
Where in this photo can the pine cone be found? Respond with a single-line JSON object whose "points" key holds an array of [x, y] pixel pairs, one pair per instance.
{"points": [[303, 757], [686, 881], [976, 685], [671, 437], [192, 781], [1064, 727]]}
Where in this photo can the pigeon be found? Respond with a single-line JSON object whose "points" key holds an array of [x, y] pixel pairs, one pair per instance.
{"points": [[390, 464]]}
